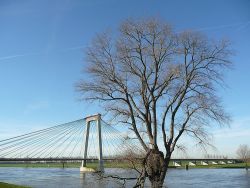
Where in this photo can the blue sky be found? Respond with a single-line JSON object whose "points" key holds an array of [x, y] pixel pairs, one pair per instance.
{"points": [[42, 54]]}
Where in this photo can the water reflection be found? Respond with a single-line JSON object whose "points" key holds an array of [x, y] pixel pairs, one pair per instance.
{"points": [[72, 178]]}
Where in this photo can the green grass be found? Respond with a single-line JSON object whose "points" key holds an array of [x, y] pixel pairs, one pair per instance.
{"points": [[7, 185]]}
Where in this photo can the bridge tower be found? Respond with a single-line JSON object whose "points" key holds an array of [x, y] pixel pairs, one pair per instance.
{"points": [[97, 119]]}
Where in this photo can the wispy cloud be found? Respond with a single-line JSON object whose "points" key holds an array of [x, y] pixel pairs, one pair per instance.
{"points": [[69, 49], [12, 56], [17, 56], [240, 128], [239, 26], [232, 133], [39, 105], [244, 26]]}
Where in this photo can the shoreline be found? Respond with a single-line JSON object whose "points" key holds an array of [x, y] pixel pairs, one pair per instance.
{"points": [[115, 165], [10, 185]]}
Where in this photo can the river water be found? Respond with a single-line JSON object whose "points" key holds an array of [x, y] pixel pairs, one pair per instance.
{"points": [[71, 178]]}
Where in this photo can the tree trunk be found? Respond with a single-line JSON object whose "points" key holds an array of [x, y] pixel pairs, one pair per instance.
{"points": [[156, 167]]}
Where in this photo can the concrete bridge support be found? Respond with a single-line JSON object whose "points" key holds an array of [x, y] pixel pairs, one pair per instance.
{"points": [[177, 164], [97, 119], [191, 163], [222, 162], [204, 163]]}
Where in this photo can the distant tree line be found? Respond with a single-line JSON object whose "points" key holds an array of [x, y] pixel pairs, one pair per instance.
{"points": [[243, 152]]}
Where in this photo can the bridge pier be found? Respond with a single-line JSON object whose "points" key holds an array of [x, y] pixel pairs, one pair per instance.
{"points": [[222, 162], [97, 119], [99, 135], [214, 162], [177, 163], [192, 163], [204, 163]]}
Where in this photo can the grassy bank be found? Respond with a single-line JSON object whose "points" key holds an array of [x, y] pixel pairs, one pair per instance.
{"points": [[236, 165], [7, 185], [112, 165]]}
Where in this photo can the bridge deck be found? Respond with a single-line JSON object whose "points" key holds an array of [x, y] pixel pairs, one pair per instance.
{"points": [[107, 159]]}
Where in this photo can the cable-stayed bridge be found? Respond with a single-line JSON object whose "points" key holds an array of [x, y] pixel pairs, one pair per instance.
{"points": [[85, 139]]}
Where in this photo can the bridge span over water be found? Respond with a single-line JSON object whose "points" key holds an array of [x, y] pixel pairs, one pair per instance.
{"points": [[87, 139]]}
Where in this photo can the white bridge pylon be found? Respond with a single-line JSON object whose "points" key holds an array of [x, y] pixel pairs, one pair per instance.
{"points": [[97, 119]]}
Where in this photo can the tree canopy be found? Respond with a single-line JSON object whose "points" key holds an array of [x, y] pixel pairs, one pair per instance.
{"points": [[158, 81]]}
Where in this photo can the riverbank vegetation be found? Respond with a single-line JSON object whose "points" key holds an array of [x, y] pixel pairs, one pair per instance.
{"points": [[7, 185], [243, 153], [114, 165]]}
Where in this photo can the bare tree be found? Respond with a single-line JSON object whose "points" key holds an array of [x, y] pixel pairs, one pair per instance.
{"points": [[243, 153], [160, 83]]}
